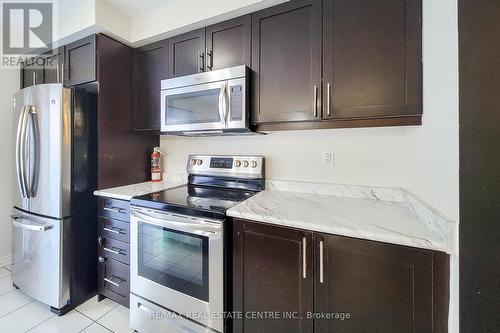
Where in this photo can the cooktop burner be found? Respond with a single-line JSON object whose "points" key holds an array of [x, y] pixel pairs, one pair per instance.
{"points": [[194, 200], [215, 184]]}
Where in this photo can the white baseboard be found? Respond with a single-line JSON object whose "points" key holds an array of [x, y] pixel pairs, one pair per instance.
{"points": [[5, 261]]}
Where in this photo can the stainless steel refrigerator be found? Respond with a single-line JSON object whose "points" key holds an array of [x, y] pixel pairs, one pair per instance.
{"points": [[53, 214]]}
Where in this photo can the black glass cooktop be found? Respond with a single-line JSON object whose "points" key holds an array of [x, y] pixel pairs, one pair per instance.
{"points": [[195, 200]]}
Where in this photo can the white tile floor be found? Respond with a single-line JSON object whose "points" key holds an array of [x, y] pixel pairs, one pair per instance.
{"points": [[20, 313]]}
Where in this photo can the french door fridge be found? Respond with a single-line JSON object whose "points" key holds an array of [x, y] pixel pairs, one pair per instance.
{"points": [[52, 154]]}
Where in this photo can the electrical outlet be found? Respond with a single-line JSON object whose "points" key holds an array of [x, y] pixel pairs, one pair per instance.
{"points": [[328, 157]]}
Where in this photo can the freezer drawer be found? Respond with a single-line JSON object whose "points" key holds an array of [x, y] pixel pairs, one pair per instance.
{"points": [[147, 317], [41, 257]]}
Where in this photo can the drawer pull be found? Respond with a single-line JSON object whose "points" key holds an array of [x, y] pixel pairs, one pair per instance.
{"points": [[119, 231], [116, 284], [114, 209], [112, 250]]}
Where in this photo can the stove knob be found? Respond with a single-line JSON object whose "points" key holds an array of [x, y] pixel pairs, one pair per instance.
{"points": [[254, 164], [193, 162], [237, 163], [245, 164], [199, 162]]}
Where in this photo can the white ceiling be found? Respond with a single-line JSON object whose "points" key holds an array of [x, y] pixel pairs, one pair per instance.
{"points": [[134, 8]]}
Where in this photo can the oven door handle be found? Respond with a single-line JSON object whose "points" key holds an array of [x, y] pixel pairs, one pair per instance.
{"points": [[200, 227]]}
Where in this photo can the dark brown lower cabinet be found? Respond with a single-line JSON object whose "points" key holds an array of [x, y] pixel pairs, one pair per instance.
{"points": [[114, 250], [381, 287], [273, 276], [357, 285]]}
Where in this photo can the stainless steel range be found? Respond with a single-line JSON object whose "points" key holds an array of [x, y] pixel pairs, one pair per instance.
{"points": [[177, 245]]}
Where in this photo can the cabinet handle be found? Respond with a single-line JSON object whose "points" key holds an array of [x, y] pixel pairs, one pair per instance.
{"points": [[102, 259], [304, 259], [211, 61], [62, 72], [202, 61], [328, 97], [112, 230], [34, 78], [117, 284], [111, 250], [100, 241], [315, 101], [113, 209], [321, 278]]}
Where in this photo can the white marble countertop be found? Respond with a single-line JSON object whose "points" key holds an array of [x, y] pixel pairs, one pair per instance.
{"points": [[128, 191], [391, 221]]}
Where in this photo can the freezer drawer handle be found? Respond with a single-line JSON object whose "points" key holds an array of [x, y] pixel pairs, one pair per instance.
{"points": [[32, 227], [110, 280], [114, 209]]}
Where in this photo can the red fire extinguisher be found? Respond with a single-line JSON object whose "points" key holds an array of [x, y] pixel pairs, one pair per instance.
{"points": [[156, 165]]}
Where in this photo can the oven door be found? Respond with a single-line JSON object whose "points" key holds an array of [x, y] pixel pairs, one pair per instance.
{"points": [[177, 262], [201, 107]]}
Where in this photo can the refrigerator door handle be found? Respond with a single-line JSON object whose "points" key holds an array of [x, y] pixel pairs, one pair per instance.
{"points": [[20, 152], [35, 172], [29, 226]]}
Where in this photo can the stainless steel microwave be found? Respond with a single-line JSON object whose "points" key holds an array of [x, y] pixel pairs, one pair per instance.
{"points": [[209, 103]]}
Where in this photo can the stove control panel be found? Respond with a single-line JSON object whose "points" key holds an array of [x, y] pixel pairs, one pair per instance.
{"points": [[239, 166]]}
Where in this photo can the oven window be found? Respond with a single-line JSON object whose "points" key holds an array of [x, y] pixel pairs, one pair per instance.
{"points": [[174, 259], [193, 107]]}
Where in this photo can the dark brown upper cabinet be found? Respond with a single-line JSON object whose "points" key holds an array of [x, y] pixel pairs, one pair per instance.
{"points": [[229, 43], [80, 61], [372, 58], [150, 66], [31, 73], [187, 53], [273, 271], [384, 287], [222, 45], [286, 62], [52, 67], [45, 68]]}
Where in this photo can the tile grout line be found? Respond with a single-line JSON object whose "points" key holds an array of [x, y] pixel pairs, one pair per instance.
{"points": [[95, 320], [17, 308], [40, 323]]}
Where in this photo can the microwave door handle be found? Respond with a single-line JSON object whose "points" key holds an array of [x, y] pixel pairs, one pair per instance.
{"points": [[222, 105]]}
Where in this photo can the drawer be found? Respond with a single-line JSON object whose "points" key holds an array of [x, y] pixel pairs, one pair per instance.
{"points": [[149, 317], [114, 209], [115, 229], [114, 249], [114, 280]]}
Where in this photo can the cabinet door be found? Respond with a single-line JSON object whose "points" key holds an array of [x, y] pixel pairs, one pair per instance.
{"points": [[286, 59], [31, 73], [187, 53], [229, 43], [150, 67], [80, 59], [383, 287], [272, 272], [372, 58], [52, 71]]}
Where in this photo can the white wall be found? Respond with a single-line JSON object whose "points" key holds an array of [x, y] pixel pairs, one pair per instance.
{"points": [[179, 16], [9, 84]]}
